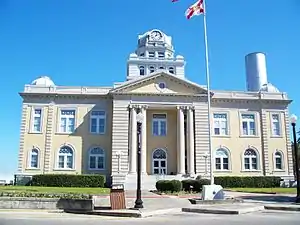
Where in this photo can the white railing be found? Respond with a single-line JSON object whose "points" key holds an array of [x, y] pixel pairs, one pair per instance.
{"points": [[249, 95], [66, 89]]}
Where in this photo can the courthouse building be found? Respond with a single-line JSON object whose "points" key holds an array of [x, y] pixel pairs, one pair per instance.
{"points": [[92, 130]]}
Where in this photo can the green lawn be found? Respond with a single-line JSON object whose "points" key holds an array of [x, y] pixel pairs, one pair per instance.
{"points": [[265, 190], [57, 190]]}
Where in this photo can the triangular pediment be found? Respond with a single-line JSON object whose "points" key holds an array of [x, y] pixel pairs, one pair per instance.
{"points": [[160, 83]]}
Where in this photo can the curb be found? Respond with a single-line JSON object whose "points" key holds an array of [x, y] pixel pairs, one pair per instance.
{"points": [[223, 211], [127, 213], [293, 208]]}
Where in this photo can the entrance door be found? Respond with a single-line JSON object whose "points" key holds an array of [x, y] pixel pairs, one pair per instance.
{"points": [[159, 159]]}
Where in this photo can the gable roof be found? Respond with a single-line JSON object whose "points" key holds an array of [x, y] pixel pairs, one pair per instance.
{"points": [[154, 75]]}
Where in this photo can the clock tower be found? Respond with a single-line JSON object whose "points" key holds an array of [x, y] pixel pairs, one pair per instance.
{"points": [[154, 52]]}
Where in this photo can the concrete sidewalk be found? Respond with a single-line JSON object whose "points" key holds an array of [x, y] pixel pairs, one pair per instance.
{"points": [[263, 198]]}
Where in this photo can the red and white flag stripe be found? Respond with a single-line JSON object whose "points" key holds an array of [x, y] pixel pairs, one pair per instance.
{"points": [[194, 10]]}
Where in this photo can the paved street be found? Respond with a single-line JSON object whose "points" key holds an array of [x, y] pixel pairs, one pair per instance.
{"points": [[44, 218]]}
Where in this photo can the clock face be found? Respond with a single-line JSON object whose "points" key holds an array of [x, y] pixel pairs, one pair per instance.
{"points": [[155, 35]]}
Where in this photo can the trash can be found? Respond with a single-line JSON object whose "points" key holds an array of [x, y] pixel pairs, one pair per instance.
{"points": [[117, 197]]}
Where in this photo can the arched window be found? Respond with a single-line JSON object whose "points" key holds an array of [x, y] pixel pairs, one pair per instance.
{"points": [[142, 70], [159, 161], [250, 159], [161, 68], [65, 158], [222, 159], [152, 69], [96, 159], [278, 158], [34, 158], [171, 70]]}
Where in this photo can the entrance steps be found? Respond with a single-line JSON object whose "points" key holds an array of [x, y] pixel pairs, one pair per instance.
{"points": [[149, 181]]}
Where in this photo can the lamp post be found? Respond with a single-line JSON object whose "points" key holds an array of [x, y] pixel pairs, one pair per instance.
{"points": [[138, 201], [293, 123]]}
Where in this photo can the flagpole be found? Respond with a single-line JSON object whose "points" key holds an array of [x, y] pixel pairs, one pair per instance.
{"points": [[208, 97]]}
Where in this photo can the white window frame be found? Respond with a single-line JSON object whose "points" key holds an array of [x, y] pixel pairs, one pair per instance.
{"points": [[33, 116], [272, 125], [98, 118], [31, 153], [250, 160], [220, 120], [159, 161], [226, 152], [171, 70], [142, 68], [60, 110], [151, 68], [65, 167], [159, 120], [275, 156], [101, 155], [151, 54], [161, 55], [248, 121]]}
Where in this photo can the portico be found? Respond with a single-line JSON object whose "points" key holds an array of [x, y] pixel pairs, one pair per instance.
{"points": [[161, 156]]}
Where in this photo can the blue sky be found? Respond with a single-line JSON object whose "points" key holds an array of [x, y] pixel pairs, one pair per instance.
{"points": [[87, 42]]}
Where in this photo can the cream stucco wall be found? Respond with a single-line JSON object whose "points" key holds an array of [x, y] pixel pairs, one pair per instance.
{"points": [[81, 140], [34, 140], [168, 142]]}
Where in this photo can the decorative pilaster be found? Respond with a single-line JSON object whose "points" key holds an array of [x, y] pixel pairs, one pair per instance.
{"points": [[191, 147], [22, 139], [265, 146], [133, 141], [48, 138], [180, 141]]}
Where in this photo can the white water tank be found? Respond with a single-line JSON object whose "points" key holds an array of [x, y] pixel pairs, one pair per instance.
{"points": [[256, 71]]}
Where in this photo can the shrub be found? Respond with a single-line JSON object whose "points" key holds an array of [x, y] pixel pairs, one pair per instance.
{"points": [[168, 186], [64, 180], [248, 182], [194, 185]]}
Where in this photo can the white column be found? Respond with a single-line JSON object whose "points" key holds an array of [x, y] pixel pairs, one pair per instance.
{"points": [[181, 141], [133, 141], [144, 141], [191, 150]]}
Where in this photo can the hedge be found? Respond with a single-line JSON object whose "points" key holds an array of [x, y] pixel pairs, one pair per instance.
{"points": [[225, 182], [168, 185], [44, 195], [248, 182], [65, 180]]}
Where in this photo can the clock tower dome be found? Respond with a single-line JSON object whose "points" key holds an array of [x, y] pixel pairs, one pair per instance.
{"points": [[154, 52]]}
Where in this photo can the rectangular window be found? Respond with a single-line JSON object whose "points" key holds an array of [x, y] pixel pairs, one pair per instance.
{"points": [[248, 124], [161, 55], [67, 121], [159, 125], [220, 124], [97, 122], [37, 120], [278, 163], [275, 121], [151, 54], [34, 161], [247, 163]]}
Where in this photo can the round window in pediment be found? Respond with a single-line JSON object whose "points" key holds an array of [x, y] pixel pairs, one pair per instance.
{"points": [[162, 85]]}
